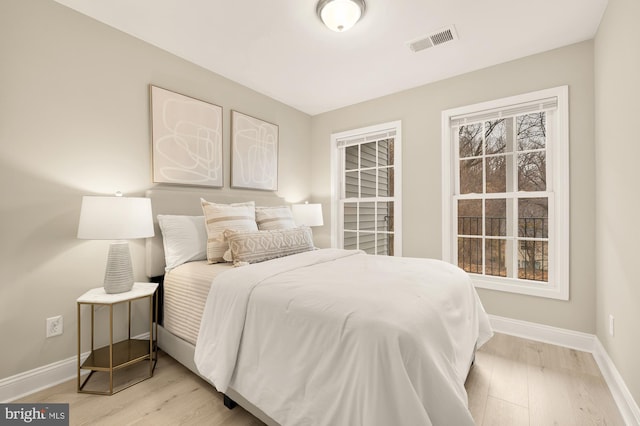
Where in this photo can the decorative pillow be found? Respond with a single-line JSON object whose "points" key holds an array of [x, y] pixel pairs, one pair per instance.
{"points": [[184, 239], [218, 217], [274, 218], [258, 246]]}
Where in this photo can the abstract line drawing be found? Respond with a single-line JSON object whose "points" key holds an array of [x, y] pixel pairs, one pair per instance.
{"points": [[186, 139], [254, 148]]}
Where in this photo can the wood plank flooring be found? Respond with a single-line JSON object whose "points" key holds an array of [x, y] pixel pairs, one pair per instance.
{"points": [[521, 382], [514, 382]]}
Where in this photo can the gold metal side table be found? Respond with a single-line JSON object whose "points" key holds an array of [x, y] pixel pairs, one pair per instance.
{"points": [[121, 354]]}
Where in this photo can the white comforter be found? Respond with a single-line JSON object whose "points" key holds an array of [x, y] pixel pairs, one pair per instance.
{"points": [[334, 337]]}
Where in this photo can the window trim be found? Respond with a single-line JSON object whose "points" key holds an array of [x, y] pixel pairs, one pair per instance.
{"points": [[336, 182], [558, 153]]}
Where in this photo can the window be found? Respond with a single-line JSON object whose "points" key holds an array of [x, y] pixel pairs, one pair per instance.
{"points": [[506, 192], [366, 187]]}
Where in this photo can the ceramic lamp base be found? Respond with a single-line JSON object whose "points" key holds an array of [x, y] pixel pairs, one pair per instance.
{"points": [[118, 277]]}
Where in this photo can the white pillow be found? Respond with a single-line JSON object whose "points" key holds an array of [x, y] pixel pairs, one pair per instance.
{"points": [[279, 217], [184, 239], [218, 217]]}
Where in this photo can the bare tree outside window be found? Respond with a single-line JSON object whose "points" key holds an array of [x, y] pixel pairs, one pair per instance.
{"points": [[501, 162], [505, 186]]}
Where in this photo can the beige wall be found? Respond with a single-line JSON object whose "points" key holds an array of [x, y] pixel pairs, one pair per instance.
{"points": [[420, 110], [74, 120], [617, 89]]}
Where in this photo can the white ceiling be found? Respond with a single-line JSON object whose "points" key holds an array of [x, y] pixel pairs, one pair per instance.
{"points": [[280, 47]]}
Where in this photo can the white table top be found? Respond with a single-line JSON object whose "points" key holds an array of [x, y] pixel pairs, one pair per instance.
{"points": [[98, 295]]}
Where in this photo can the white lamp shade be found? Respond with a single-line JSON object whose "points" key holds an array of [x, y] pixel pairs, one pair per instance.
{"points": [[340, 15], [307, 214], [115, 218]]}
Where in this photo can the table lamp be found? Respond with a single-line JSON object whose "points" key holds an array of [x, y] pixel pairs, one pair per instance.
{"points": [[307, 214], [116, 218]]}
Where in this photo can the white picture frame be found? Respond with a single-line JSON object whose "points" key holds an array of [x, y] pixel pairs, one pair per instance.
{"points": [[254, 153], [186, 135]]}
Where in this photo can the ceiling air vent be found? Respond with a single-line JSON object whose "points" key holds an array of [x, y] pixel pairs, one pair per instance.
{"points": [[436, 38]]}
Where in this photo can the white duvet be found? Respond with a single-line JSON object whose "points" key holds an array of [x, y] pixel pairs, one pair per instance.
{"points": [[334, 337]]}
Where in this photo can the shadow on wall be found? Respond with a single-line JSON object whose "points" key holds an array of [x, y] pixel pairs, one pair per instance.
{"points": [[39, 217]]}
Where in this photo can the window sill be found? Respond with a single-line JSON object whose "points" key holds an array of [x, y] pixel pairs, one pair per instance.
{"points": [[520, 287]]}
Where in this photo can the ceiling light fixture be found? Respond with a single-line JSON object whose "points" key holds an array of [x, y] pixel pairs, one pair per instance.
{"points": [[340, 15]]}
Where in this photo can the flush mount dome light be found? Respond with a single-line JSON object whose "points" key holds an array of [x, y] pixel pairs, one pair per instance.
{"points": [[340, 15]]}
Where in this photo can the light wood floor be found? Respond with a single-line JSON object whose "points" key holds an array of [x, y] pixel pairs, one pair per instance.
{"points": [[513, 382], [521, 382]]}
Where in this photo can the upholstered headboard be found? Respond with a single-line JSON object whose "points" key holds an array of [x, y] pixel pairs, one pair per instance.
{"points": [[187, 202]]}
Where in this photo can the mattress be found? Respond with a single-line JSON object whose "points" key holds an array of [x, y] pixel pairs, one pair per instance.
{"points": [[185, 293]]}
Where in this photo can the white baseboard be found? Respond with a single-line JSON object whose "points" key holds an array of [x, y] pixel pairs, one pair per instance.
{"points": [[628, 407], [23, 384], [585, 342], [543, 333]]}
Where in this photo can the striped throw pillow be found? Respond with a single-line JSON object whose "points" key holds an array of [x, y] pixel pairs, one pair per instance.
{"points": [[274, 218], [218, 217]]}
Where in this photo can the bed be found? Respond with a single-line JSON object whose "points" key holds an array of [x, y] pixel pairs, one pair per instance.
{"points": [[297, 340]]}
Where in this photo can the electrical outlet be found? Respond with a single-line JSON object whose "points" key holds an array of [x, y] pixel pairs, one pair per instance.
{"points": [[54, 326], [611, 325]]}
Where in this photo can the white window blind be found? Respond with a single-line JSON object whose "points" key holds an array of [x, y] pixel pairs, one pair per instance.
{"points": [[510, 111]]}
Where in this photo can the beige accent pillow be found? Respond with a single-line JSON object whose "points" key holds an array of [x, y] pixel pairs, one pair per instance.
{"points": [[218, 217], [253, 247], [274, 218]]}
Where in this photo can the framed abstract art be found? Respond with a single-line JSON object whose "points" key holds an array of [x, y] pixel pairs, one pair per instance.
{"points": [[186, 135], [254, 153]]}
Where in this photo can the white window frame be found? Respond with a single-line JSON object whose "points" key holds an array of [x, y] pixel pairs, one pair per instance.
{"points": [[557, 286], [337, 227]]}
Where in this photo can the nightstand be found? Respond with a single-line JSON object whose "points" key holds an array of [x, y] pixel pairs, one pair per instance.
{"points": [[124, 353]]}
